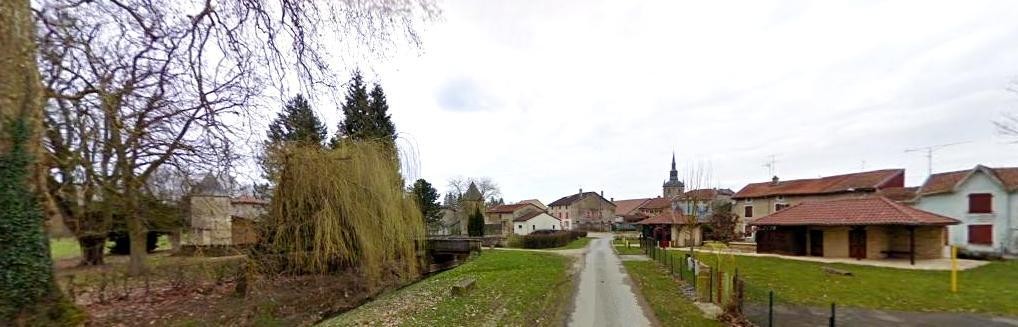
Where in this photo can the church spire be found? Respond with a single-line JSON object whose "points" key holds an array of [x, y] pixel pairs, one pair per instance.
{"points": [[673, 175], [673, 161]]}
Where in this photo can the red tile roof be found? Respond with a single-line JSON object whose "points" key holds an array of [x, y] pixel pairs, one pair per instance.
{"points": [[625, 207], [870, 180], [657, 203], [531, 215], [665, 218], [899, 194], [706, 193], [567, 200], [945, 182], [849, 212], [510, 208], [636, 217]]}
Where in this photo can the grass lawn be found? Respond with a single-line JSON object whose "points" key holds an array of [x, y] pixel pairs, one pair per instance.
{"points": [[64, 248], [575, 244], [631, 250], [987, 289], [661, 291], [513, 288]]}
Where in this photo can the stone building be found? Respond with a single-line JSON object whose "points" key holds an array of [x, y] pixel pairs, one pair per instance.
{"points": [[673, 187], [504, 215], [583, 211], [218, 220]]}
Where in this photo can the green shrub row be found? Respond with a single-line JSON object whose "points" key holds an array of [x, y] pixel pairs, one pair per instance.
{"points": [[544, 241]]}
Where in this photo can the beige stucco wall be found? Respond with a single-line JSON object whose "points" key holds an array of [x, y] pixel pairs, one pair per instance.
{"points": [[929, 241], [601, 212], [835, 242], [681, 233]]}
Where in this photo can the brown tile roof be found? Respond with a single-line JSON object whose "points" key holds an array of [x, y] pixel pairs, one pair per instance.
{"points": [[530, 215], [899, 194], [567, 200], [870, 180], [665, 218], [849, 212], [945, 182], [635, 217], [625, 207], [509, 208], [657, 203]]}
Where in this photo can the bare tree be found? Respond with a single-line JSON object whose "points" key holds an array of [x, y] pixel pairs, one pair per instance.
{"points": [[697, 197], [136, 85], [489, 189], [1007, 125]]}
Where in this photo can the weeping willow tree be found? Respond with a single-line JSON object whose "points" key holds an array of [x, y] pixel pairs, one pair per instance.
{"points": [[338, 209]]}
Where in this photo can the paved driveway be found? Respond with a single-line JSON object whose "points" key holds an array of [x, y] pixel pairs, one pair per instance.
{"points": [[605, 296]]}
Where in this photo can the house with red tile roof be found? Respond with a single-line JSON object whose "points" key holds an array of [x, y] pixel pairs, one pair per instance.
{"points": [[503, 215], [672, 228], [764, 198], [984, 200], [872, 227]]}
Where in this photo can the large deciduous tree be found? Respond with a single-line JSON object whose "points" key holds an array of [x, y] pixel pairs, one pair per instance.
{"points": [[134, 85], [489, 189]]}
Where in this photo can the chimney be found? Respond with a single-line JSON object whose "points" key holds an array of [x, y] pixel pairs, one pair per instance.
{"points": [[613, 200], [602, 193], [581, 191], [774, 180]]}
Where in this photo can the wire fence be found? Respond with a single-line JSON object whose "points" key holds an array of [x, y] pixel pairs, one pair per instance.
{"points": [[706, 279]]}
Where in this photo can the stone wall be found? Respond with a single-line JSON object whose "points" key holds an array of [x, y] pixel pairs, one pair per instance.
{"points": [[210, 221]]}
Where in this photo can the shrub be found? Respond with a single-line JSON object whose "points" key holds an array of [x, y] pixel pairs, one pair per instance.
{"points": [[544, 241]]}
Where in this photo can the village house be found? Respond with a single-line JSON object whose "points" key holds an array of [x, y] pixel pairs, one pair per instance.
{"points": [[217, 220], [583, 211], [535, 221], [984, 200], [761, 199], [672, 229], [506, 214], [871, 227]]}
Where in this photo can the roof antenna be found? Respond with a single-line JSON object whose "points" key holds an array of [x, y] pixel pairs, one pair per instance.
{"points": [[929, 153], [771, 165]]}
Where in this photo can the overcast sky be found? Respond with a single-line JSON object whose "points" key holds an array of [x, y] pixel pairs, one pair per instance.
{"points": [[546, 97]]}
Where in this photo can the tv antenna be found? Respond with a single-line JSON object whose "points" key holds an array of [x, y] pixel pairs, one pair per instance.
{"points": [[771, 165], [929, 153]]}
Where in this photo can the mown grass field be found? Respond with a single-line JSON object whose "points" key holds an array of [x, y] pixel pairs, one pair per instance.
{"points": [[513, 288], [661, 292], [991, 289], [623, 250]]}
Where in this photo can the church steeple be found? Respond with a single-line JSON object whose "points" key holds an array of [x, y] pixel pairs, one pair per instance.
{"points": [[673, 187]]}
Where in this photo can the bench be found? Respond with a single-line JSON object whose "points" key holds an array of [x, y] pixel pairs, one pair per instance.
{"points": [[463, 286], [835, 271]]}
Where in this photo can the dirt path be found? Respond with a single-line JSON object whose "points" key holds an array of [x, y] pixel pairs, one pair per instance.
{"points": [[605, 295]]}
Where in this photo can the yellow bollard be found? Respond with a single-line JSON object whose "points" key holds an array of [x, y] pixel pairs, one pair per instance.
{"points": [[954, 269]]}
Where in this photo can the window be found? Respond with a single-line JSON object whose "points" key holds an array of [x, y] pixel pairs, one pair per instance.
{"points": [[749, 200], [981, 234], [980, 203], [748, 213], [519, 227], [533, 227], [781, 198], [779, 206]]}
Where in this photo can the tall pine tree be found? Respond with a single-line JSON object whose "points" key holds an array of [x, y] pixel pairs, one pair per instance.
{"points": [[297, 123], [365, 114]]}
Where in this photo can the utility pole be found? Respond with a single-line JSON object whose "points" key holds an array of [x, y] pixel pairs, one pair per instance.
{"points": [[929, 153]]}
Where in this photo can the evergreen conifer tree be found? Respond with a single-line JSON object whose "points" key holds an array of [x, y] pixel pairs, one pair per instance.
{"points": [[297, 123], [427, 200], [475, 223], [354, 108]]}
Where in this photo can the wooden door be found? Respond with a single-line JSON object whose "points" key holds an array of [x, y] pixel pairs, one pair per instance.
{"points": [[816, 243], [857, 243]]}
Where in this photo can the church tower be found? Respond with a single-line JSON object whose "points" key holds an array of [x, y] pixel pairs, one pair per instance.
{"points": [[673, 187]]}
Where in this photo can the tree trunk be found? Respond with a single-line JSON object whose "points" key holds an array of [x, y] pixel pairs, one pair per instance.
{"points": [[29, 291], [92, 250], [138, 235]]}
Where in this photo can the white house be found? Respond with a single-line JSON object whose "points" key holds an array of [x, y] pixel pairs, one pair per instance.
{"points": [[535, 221], [984, 199]]}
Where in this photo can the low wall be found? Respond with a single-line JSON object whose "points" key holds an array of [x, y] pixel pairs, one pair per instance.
{"points": [[743, 247]]}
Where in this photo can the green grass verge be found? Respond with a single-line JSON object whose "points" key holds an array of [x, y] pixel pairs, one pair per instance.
{"points": [[575, 244], [623, 250], [513, 288], [987, 289], [661, 291]]}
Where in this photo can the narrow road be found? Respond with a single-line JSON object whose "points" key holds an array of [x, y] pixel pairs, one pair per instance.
{"points": [[605, 296]]}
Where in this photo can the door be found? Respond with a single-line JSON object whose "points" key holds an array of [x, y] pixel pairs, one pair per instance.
{"points": [[857, 243], [816, 243]]}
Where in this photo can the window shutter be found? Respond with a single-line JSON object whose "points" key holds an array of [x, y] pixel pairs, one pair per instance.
{"points": [[980, 203], [749, 212], [981, 234]]}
